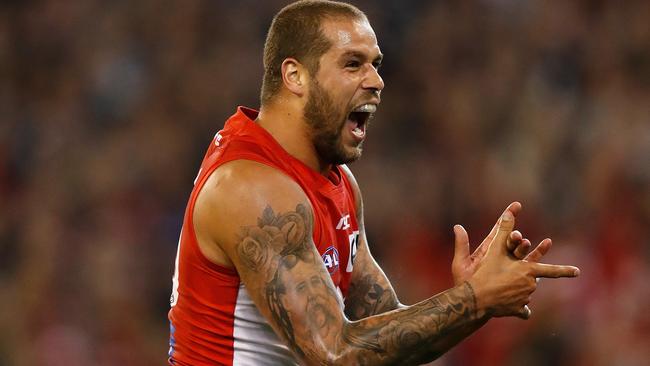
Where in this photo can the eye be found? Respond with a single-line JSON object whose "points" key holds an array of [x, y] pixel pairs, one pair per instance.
{"points": [[354, 64], [316, 281], [301, 287], [376, 65]]}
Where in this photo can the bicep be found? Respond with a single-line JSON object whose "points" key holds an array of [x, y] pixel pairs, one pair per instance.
{"points": [[264, 225], [286, 278]]}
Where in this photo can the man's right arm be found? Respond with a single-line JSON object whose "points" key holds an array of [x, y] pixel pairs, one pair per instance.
{"points": [[263, 222]]}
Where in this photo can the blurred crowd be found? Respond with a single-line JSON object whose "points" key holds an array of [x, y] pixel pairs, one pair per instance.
{"points": [[106, 108]]}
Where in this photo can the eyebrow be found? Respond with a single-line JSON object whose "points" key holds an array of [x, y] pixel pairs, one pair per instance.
{"points": [[361, 55]]}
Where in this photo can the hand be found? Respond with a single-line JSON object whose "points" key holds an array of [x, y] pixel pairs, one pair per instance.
{"points": [[503, 284], [464, 265]]}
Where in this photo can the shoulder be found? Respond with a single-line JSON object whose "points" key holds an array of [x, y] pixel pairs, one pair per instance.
{"points": [[249, 180], [238, 192]]}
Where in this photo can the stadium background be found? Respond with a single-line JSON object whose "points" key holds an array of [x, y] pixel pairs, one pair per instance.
{"points": [[106, 108]]}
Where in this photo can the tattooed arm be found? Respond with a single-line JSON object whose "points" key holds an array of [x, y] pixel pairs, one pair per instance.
{"points": [[370, 292], [261, 222]]}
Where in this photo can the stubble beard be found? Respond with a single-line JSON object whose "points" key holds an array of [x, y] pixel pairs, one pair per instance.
{"points": [[327, 125]]}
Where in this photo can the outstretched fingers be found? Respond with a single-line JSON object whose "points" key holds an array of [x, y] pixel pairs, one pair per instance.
{"points": [[554, 270], [522, 249], [514, 240], [542, 248], [517, 245]]}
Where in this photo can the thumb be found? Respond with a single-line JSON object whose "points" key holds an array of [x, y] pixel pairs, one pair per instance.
{"points": [[461, 242], [506, 225]]}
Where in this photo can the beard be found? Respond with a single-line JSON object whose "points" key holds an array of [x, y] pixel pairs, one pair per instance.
{"points": [[327, 124]]}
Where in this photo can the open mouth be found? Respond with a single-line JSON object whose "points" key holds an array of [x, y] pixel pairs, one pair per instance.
{"points": [[358, 120]]}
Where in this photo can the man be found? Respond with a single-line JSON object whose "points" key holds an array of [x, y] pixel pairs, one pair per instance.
{"points": [[273, 265]]}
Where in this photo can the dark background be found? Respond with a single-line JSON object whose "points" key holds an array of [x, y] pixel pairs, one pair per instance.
{"points": [[106, 108]]}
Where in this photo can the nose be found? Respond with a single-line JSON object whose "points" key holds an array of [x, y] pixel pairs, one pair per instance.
{"points": [[373, 81], [310, 292]]}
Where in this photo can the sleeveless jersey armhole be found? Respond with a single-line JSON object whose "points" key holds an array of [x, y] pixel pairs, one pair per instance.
{"points": [[197, 190]]}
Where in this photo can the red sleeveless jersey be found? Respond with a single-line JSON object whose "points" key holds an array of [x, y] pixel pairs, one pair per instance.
{"points": [[213, 321]]}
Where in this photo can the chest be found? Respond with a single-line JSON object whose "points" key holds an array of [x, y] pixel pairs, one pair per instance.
{"points": [[336, 236]]}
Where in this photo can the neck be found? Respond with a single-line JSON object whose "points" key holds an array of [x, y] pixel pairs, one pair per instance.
{"points": [[285, 122]]}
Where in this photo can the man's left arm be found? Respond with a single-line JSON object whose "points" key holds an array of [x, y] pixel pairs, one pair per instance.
{"points": [[370, 290]]}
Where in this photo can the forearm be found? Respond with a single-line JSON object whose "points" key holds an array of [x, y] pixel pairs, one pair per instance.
{"points": [[289, 283], [413, 334], [369, 295]]}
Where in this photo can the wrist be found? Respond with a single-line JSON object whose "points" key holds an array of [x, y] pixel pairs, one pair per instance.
{"points": [[475, 294]]}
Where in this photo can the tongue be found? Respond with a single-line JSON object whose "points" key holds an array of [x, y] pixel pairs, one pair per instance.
{"points": [[355, 129]]}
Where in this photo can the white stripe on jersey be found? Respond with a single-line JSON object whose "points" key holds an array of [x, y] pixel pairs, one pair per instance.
{"points": [[255, 341]]}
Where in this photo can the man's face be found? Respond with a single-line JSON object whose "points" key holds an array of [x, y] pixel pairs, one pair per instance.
{"points": [[344, 93], [307, 293]]}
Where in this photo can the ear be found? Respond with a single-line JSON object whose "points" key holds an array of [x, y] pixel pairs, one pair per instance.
{"points": [[294, 76]]}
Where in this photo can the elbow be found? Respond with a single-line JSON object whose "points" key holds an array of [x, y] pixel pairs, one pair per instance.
{"points": [[327, 358], [340, 350]]}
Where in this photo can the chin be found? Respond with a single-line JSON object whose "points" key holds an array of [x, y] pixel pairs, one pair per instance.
{"points": [[356, 156], [340, 153], [350, 156]]}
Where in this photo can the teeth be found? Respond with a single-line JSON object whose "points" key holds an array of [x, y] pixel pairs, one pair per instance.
{"points": [[369, 108]]}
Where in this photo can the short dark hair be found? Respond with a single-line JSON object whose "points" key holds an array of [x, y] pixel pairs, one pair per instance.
{"points": [[296, 32]]}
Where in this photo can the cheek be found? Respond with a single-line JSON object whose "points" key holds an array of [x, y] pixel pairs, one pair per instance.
{"points": [[295, 301], [341, 90], [346, 95]]}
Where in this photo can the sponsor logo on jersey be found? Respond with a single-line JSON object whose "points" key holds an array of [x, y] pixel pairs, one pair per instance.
{"points": [[344, 222], [331, 259]]}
